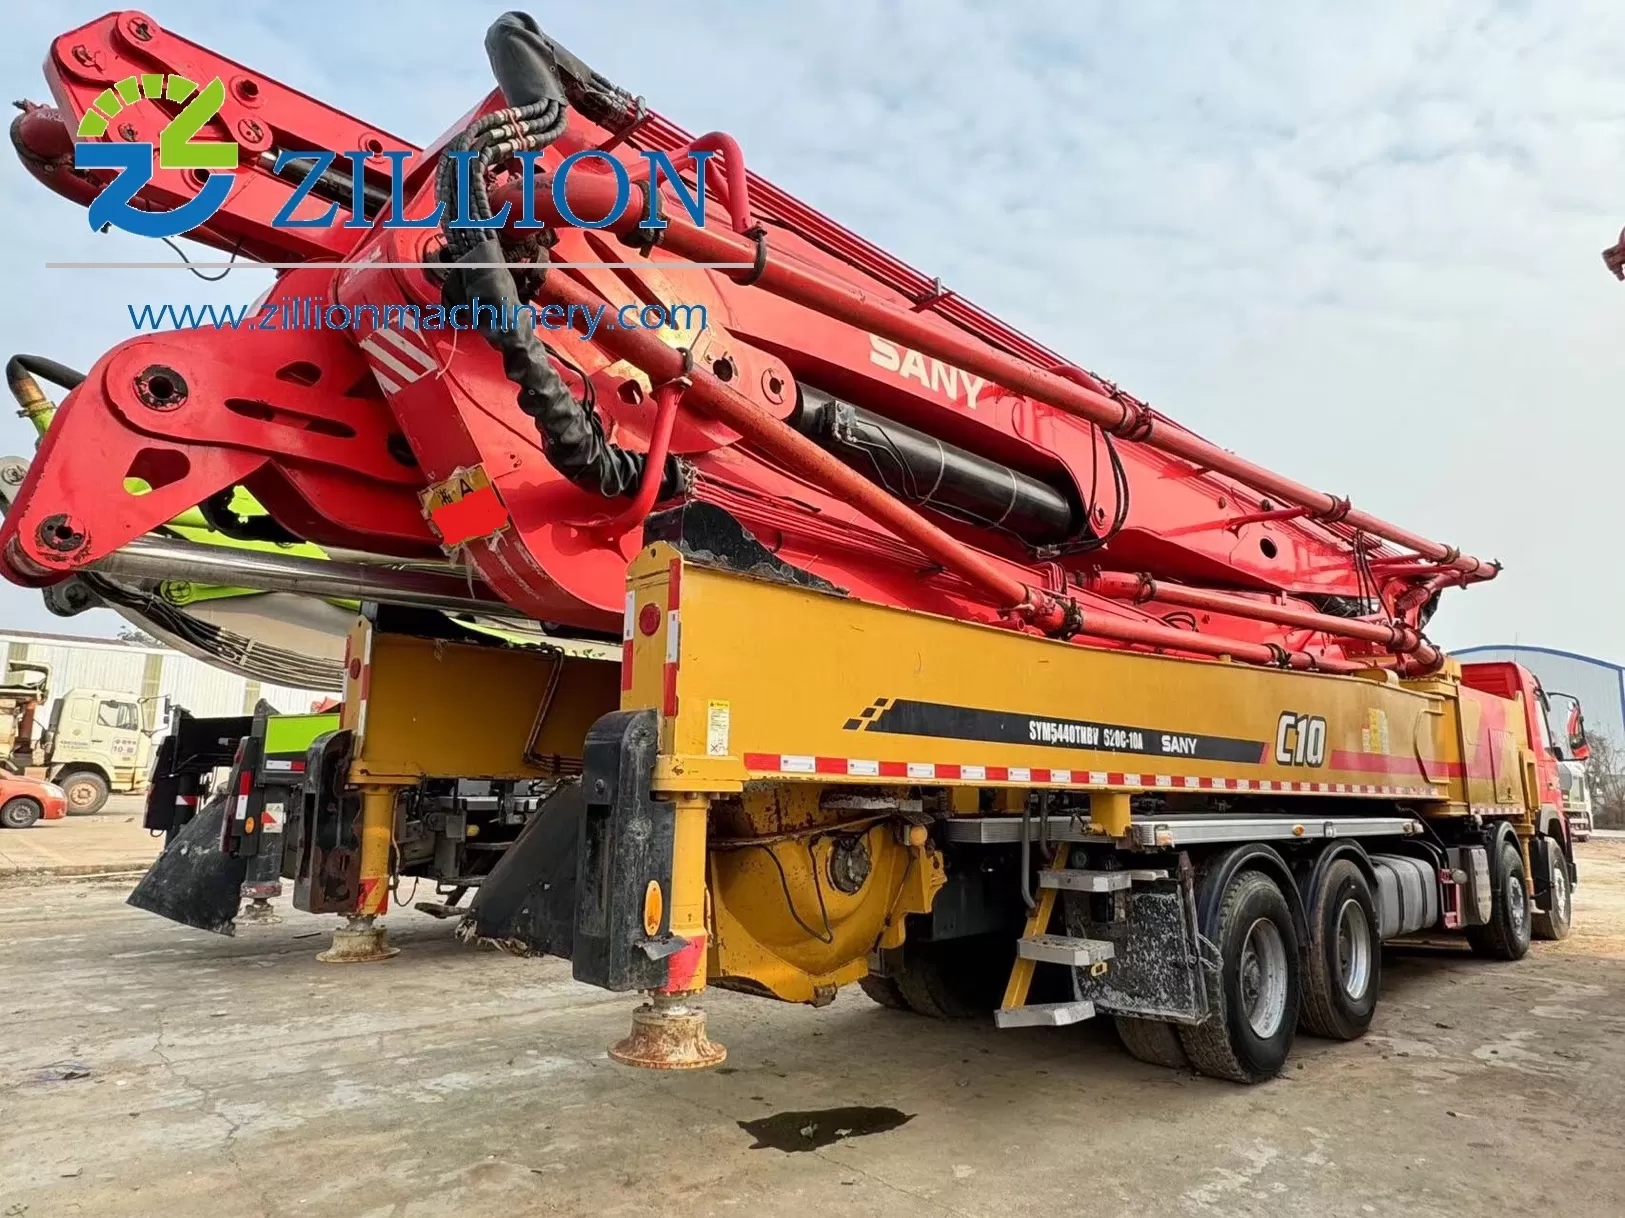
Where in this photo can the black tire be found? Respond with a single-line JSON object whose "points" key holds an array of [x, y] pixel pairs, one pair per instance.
{"points": [[1152, 1041], [1555, 923], [86, 792], [1255, 930], [954, 978], [20, 813], [884, 991], [1506, 935], [1344, 971]]}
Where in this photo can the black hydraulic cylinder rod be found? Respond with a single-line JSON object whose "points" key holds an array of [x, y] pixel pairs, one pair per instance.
{"points": [[921, 469]]}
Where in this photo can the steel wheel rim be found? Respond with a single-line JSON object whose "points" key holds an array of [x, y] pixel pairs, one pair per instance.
{"points": [[80, 795], [1517, 903], [1263, 978], [1560, 890], [1353, 948]]}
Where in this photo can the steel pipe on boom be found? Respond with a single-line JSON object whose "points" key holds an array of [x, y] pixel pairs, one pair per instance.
{"points": [[1395, 636], [1042, 609], [594, 195], [156, 558]]}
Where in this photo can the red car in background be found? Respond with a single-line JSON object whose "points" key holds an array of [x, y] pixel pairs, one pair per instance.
{"points": [[26, 800]]}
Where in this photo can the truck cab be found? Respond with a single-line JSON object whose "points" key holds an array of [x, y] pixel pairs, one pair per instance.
{"points": [[1505, 679], [95, 744]]}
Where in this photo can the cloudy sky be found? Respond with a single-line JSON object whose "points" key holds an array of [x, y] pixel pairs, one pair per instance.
{"points": [[1356, 242]]}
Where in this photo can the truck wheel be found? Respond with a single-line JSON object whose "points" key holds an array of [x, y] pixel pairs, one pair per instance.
{"points": [[19, 813], [1248, 1038], [86, 792], [884, 991], [1345, 956], [952, 979], [1152, 1041], [1506, 935], [1559, 915]]}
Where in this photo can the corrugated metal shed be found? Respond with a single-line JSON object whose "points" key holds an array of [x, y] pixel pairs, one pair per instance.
{"points": [[148, 674]]}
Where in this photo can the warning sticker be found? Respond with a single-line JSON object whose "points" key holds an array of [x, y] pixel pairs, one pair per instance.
{"points": [[716, 729], [464, 506], [271, 817]]}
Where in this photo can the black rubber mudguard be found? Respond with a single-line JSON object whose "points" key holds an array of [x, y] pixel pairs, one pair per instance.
{"points": [[527, 904], [192, 882]]}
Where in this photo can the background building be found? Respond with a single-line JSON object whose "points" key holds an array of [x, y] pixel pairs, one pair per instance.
{"points": [[155, 677]]}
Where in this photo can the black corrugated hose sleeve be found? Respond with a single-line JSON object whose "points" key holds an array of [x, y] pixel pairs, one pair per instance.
{"points": [[572, 434]]}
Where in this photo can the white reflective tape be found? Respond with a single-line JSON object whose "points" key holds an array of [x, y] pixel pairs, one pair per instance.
{"points": [[1097, 777], [973, 773], [376, 350], [406, 347], [671, 636], [1020, 774], [1060, 775], [921, 769], [629, 622], [384, 383], [797, 765], [863, 769]]}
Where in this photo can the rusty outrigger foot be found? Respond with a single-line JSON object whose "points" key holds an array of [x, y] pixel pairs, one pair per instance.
{"points": [[361, 940], [259, 913], [669, 1034]]}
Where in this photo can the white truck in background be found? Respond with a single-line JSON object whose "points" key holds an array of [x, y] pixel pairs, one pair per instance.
{"points": [[1571, 778], [92, 745]]}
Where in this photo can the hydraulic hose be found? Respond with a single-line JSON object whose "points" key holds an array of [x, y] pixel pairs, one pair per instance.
{"points": [[32, 403], [539, 81], [572, 434]]}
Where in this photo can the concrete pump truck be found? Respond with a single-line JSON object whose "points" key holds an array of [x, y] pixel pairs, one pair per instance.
{"points": [[948, 667]]}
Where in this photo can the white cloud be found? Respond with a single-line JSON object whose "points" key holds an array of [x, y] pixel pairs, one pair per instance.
{"points": [[1356, 243]]}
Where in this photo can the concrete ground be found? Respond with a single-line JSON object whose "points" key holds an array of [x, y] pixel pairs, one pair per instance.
{"points": [[147, 1069], [110, 840]]}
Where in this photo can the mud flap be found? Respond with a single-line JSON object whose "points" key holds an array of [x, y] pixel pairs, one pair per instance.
{"points": [[627, 840], [193, 882], [527, 904], [1156, 971]]}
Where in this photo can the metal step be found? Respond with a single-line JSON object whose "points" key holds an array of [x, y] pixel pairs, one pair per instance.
{"points": [[1045, 1015], [1063, 949], [1077, 880]]}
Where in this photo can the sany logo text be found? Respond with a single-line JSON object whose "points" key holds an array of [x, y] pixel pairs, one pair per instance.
{"points": [[935, 375]]}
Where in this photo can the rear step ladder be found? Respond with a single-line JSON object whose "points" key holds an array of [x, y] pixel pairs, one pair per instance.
{"points": [[1037, 946]]}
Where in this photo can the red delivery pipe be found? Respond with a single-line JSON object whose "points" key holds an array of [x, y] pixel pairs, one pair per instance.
{"points": [[664, 364], [654, 465], [1396, 636], [594, 195], [43, 142]]}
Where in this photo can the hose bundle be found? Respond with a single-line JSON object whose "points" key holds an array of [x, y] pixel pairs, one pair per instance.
{"points": [[540, 81]]}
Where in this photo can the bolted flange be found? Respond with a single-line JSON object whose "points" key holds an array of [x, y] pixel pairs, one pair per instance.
{"points": [[361, 940], [668, 1034]]}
